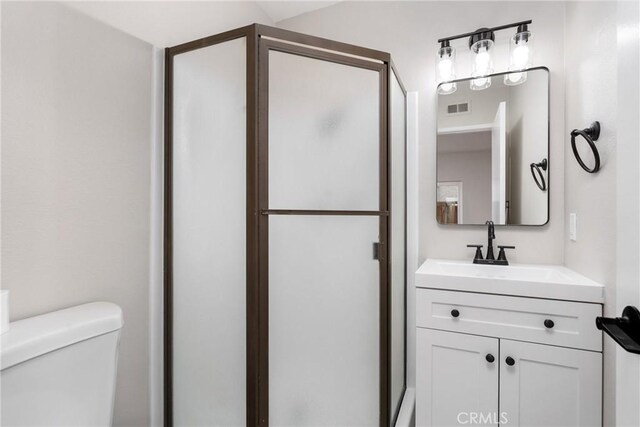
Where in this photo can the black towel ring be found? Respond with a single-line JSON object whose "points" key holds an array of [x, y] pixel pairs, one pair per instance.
{"points": [[590, 135], [539, 167]]}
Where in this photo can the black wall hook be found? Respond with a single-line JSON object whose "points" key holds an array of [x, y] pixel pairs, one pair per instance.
{"points": [[624, 330], [539, 167], [590, 134]]}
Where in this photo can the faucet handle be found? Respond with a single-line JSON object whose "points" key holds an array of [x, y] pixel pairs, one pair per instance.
{"points": [[501, 255], [478, 255]]}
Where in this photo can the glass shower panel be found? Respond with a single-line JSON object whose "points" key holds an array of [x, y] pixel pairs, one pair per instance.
{"points": [[324, 138], [398, 242], [209, 237], [323, 321]]}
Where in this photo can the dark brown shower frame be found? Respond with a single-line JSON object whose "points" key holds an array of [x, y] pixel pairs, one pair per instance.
{"points": [[260, 40]]}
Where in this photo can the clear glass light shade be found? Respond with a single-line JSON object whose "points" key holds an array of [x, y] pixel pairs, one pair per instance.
{"points": [[446, 70], [520, 51], [480, 83], [520, 54], [446, 88], [482, 64], [513, 79]]}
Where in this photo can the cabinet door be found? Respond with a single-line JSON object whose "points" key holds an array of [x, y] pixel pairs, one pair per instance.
{"points": [[550, 386], [456, 384]]}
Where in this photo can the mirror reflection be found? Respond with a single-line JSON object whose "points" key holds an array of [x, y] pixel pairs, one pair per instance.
{"points": [[493, 152]]}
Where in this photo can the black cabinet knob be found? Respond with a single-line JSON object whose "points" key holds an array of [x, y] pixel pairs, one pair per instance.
{"points": [[490, 358], [548, 323], [510, 361], [455, 313]]}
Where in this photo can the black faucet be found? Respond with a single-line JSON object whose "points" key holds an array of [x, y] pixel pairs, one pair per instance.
{"points": [[490, 259], [491, 234]]}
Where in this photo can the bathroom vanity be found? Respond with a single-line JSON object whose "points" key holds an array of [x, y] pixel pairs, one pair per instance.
{"points": [[507, 345]]}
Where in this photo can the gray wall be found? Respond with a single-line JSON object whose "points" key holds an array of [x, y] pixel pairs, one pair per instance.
{"points": [[473, 168], [76, 133]]}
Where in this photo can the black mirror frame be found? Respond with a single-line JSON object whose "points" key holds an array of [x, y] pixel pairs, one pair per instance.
{"points": [[548, 183]]}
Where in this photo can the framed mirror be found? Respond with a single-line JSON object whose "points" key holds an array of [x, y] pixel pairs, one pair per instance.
{"points": [[493, 151]]}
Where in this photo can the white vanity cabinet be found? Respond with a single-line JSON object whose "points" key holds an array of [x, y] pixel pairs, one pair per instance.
{"points": [[495, 359], [550, 386], [454, 379]]}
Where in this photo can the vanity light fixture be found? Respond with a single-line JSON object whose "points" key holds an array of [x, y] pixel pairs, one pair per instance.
{"points": [[519, 56], [481, 45], [446, 68]]}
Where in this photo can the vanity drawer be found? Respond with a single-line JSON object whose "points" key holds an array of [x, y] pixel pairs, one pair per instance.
{"points": [[516, 318]]}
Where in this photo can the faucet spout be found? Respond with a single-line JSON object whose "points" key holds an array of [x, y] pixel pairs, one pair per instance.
{"points": [[491, 234]]}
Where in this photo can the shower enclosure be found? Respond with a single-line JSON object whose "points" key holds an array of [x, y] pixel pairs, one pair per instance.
{"points": [[285, 236]]}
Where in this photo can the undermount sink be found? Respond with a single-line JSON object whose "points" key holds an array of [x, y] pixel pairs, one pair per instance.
{"points": [[540, 281]]}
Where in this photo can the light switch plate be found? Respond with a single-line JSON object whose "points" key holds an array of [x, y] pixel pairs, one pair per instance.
{"points": [[573, 227]]}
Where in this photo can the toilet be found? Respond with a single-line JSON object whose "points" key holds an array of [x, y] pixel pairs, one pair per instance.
{"points": [[59, 368]]}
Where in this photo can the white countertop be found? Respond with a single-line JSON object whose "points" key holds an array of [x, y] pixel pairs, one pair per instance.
{"points": [[528, 280]]}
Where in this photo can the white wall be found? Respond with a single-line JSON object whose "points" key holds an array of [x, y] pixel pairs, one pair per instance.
{"points": [[409, 30], [591, 65], [76, 115]]}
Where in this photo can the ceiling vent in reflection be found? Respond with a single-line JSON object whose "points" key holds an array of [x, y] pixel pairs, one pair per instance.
{"points": [[459, 108]]}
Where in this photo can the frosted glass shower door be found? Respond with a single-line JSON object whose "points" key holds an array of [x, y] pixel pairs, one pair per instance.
{"points": [[209, 236], [323, 321], [326, 206], [324, 136]]}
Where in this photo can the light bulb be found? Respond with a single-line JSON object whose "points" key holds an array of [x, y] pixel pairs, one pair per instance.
{"points": [[481, 50], [514, 77], [447, 88], [446, 63], [480, 83], [445, 68], [520, 51], [521, 56], [483, 61]]}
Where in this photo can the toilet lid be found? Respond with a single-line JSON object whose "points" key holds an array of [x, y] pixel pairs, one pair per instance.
{"points": [[35, 336]]}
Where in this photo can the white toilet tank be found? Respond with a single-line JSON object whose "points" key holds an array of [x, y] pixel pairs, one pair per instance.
{"points": [[59, 369]]}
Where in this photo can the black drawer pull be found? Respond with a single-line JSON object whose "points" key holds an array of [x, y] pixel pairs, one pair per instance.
{"points": [[510, 361], [455, 313], [490, 358], [548, 323]]}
